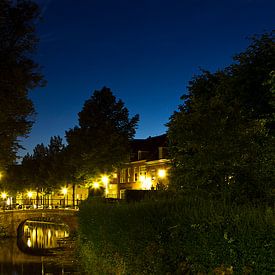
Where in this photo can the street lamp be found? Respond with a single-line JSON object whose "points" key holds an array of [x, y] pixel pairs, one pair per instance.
{"points": [[64, 191], [105, 181], [161, 176], [162, 173], [3, 195], [96, 185], [30, 196]]}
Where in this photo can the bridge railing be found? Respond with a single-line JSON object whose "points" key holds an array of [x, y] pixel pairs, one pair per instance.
{"points": [[39, 204]]}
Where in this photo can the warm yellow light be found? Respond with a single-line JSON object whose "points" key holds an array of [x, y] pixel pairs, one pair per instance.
{"points": [[64, 191], [142, 178], [29, 194], [1, 175], [96, 185], [3, 195], [147, 184], [105, 179], [161, 173], [29, 243]]}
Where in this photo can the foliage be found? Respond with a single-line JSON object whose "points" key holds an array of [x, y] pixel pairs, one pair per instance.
{"points": [[101, 141], [18, 74], [175, 235], [42, 170], [222, 137]]}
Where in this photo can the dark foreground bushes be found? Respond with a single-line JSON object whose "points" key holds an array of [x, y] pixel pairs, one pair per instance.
{"points": [[176, 235]]}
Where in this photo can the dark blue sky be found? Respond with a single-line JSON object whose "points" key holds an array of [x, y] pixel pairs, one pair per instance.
{"points": [[146, 51]]}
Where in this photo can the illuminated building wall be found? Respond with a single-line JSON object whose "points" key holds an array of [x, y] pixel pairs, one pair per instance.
{"points": [[148, 170]]}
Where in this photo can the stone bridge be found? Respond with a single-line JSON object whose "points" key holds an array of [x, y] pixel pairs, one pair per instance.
{"points": [[12, 219]]}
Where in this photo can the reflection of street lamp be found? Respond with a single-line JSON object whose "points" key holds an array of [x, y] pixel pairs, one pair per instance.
{"points": [[64, 191]]}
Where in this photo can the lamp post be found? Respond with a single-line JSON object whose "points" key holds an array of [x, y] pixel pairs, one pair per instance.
{"points": [[30, 196], [64, 191], [161, 176], [4, 196], [105, 181]]}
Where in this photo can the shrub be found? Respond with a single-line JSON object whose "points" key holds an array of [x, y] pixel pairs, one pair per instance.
{"points": [[175, 236]]}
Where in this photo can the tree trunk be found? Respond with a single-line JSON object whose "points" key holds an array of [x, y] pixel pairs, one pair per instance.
{"points": [[73, 195]]}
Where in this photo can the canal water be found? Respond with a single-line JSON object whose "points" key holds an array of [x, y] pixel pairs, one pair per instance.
{"points": [[40, 248]]}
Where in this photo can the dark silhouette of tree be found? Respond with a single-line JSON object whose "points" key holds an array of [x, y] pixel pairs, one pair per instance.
{"points": [[44, 169], [222, 136], [101, 141], [18, 74]]}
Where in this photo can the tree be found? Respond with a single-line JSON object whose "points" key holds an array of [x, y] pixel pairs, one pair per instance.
{"points": [[39, 163], [18, 74], [221, 138], [101, 141]]}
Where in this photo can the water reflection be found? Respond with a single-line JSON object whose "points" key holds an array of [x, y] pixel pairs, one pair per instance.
{"points": [[42, 235], [41, 248]]}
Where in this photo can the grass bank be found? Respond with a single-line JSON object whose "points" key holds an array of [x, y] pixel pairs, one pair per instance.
{"points": [[176, 235]]}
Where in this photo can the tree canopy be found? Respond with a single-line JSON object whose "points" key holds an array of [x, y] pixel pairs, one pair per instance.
{"points": [[19, 73], [44, 169], [222, 136], [101, 141]]}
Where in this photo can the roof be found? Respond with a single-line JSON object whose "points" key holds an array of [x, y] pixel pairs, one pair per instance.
{"points": [[147, 148]]}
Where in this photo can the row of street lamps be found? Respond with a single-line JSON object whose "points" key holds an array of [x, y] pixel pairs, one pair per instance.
{"points": [[7, 200]]}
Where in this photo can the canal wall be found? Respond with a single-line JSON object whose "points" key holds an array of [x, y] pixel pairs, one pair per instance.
{"points": [[11, 220]]}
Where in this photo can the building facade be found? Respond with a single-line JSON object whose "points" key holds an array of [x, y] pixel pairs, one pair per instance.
{"points": [[148, 168]]}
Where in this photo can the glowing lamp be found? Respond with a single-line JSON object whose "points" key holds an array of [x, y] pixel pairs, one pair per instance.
{"points": [[161, 173], [96, 185], [147, 184], [142, 178], [64, 191], [105, 179]]}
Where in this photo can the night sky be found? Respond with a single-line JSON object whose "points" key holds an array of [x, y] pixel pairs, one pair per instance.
{"points": [[146, 51]]}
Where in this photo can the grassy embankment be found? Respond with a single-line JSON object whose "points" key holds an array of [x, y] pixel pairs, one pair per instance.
{"points": [[175, 236]]}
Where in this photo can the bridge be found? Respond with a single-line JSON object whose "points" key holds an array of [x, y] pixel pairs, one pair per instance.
{"points": [[11, 220]]}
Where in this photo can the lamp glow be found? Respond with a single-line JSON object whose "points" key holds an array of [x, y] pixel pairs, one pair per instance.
{"points": [[64, 191], [29, 194], [161, 173], [96, 185], [147, 184], [4, 195], [142, 178], [105, 179]]}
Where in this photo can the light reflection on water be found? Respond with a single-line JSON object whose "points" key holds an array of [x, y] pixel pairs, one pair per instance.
{"points": [[41, 248], [43, 235]]}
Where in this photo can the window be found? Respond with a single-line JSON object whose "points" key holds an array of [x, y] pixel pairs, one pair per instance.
{"points": [[128, 174], [123, 176], [135, 174]]}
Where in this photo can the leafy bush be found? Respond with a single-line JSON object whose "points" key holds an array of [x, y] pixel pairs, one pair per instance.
{"points": [[176, 235]]}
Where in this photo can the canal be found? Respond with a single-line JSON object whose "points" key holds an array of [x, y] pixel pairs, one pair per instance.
{"points": [[40, 248]]}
